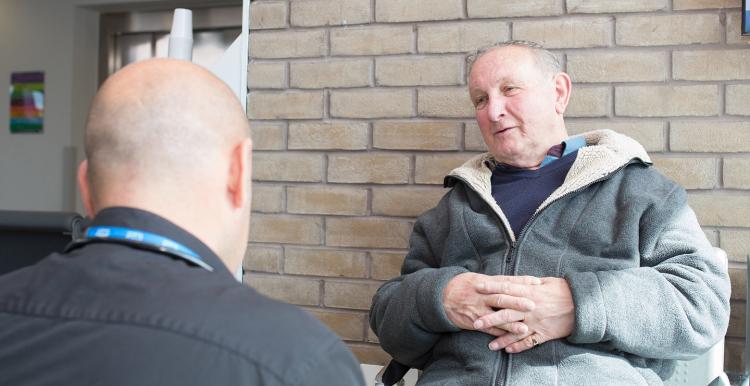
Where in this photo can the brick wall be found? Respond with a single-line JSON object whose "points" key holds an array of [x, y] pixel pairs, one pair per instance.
{"points": [[359, 107]]}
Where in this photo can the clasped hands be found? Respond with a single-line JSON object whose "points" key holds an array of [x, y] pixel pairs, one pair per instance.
{"points": [[519, 311]]}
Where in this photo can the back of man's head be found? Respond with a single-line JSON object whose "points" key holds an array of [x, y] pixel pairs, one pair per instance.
{"points": [[159, 122], [165, 136]]}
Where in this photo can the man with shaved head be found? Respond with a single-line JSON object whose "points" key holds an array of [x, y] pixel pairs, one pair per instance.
{"points": [[148, 296]]}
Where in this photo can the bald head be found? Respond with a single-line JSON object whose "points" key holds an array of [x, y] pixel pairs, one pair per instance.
{"points": [[160, 122], [169, 137]]}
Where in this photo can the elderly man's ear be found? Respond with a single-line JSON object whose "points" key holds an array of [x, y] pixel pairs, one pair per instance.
{"points": [[562, 91], [240, 174]]}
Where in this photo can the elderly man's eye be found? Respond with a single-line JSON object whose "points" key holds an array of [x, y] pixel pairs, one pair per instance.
{"points": [[480, 102]]}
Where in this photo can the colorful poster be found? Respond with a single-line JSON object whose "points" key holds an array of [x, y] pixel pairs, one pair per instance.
{"points": [[26, 102]]}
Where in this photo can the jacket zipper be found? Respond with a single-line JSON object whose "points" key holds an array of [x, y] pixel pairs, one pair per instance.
{"points": [[499, 372]]}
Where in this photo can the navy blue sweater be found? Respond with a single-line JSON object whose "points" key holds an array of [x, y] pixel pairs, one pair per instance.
{"points": [[518, 192]]}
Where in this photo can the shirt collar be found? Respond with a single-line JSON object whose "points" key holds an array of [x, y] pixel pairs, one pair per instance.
{"points": [[150, 222], [554, 153]]}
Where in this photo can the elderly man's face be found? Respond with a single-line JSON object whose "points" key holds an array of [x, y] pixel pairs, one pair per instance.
{"points": [[517, 106]]}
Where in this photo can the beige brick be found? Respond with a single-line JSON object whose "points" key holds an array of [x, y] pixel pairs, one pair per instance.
{"points": [[667, 29], [461, 36], [367, 232], [617, 66], [736, 99], [404, 201], [417, 135], [347, 325], [309, 13], [288, 44], [737, 173], [738, 278], [473, 139], [370, 168], [690, 173], [286, 229], [352, 295], [721, 209], [371, 337], [267, 135], [287, 167], [285, 105], [378, 40], [713, 236], [326, 200], [736, 320], [663, 101], [710, 136], [419, 71], [734, 29], [432, 168], [736, 242], [703, 4], [711, 65], [328, 135], [266, 14], [370, 354], [267, 198], [590, 102], [417, 10], [612, 6], [443, 102], [386, 266], [324, 262], [330, 73], [294, 290], [734, 355], [511, 8], [649, 133], [266, 75], [260, 258], [372, 103], [578, 32]]}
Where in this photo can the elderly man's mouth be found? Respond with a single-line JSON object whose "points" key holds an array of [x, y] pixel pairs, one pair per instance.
{"points": [[503, 130]]}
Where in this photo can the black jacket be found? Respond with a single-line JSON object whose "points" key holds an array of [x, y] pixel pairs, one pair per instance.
{"points": [[111, 314]]}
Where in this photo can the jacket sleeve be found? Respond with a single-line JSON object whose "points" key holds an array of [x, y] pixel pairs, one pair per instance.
{"points": [[674, 306], [336, 366], [407, 313]]}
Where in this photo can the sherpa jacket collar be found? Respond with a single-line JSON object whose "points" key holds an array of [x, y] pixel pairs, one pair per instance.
{"points": [[605, 153]]}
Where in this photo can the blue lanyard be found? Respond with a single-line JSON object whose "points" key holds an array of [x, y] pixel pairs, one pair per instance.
{"points": [[147, 240]]}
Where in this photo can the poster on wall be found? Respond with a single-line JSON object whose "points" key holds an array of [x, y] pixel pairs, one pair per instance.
{"points": [[26, 102], [745, 17]]}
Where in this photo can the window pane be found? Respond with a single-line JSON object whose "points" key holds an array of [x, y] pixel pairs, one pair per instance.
{"points": [[132, 48], [162, 45], [209, 45]]}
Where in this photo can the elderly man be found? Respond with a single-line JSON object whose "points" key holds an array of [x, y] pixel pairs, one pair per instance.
{"points": [[553, 259], [148, 298]]}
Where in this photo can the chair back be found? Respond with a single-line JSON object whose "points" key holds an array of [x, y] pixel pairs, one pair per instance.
{"points": [[26, 237]]}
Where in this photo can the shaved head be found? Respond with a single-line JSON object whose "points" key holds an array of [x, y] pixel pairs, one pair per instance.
{"points": [[160, 120], [169, 137]]}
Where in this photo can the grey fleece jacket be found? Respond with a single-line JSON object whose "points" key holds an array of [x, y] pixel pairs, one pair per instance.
{"points": [[648, 287]]}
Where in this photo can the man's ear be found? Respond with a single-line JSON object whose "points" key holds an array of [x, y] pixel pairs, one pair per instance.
{"points": [[562, 92], [83, 186], [240, 174]]}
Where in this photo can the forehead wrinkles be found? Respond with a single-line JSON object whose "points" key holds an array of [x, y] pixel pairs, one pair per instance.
{"points": [[502, 69]]}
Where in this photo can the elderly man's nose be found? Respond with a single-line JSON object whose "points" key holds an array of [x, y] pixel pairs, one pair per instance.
{"points": [[496, 110]]}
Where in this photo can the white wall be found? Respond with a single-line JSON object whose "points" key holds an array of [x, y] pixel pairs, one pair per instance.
{"points": [[36, 36], [59, 37]]}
